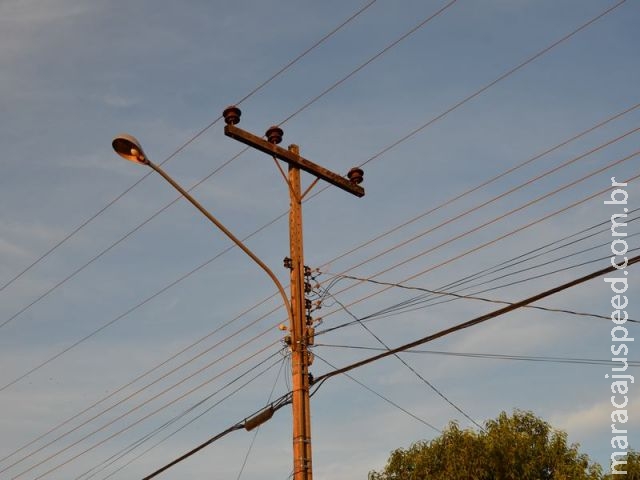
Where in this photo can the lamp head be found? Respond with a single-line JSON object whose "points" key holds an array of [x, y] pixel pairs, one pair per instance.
{"points": [[129, 148]]}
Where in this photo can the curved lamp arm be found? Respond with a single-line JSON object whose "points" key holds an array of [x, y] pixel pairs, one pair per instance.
{"points": [[129, 148]]}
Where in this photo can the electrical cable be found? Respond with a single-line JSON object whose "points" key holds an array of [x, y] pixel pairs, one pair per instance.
{"points": [[275, 406], [189, 141], [430, 298], [379, 395], [508, 192], [491, 356], [184, 379], [114, 458], [490, 242], [279, 403], [507, 263], [399, 308], [139, 377], [183, 395], [370, 60], [473, 322], [528, 256], [410, 368], [319, 380], [492, 83], [257, 430], [378, 155], [524, 258], [487, 182], [483, 299], [175, 200]]}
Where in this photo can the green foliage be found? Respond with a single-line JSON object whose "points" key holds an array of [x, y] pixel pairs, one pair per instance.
{"points": [[516, 447], [632, 468]]}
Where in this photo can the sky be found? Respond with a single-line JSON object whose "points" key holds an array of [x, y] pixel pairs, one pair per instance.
{"points": [[133, 330]]}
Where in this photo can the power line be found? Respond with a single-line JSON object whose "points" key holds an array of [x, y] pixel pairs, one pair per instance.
{"points": [[401, 307], [487, 182], [114, 458], [483, 245], [517, 282], [409, 367], [139, 377], [508, 192], [183, 395], [379, 395], [525, 257], [370, 159], [189, 141], [528, 256], [373, 58], [128, 397], [162, 209], [273, 407], [483, 299], [321, 379], [475, 321], [257, 430], [490, 356], [492, 83]]}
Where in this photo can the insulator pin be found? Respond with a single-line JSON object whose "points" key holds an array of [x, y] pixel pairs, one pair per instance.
{"points": [[231, 115]]}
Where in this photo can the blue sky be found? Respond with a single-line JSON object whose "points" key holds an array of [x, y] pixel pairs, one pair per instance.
{"points": [[77, 73]]}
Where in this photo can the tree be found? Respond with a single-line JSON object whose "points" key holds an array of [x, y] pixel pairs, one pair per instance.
{"points": [[632, 468], [516, 447]]}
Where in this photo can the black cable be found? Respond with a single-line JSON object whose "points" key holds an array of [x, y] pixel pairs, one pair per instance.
{"points": [[181, 381], [371, 59], [275, 406], [237, 426], [429, 299], [548, 262]]}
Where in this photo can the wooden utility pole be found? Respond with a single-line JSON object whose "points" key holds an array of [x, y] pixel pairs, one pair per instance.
{"points": [[301, 324], [299, 338]]}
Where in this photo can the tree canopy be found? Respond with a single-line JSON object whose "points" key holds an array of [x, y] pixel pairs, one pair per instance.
{"points": [[520, 446]]}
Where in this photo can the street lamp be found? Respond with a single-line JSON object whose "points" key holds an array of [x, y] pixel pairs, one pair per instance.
{"points": [[129, 148], [300, 320]]}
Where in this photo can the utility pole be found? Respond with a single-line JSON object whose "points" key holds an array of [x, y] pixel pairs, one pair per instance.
{"points": [[301, 328]]}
